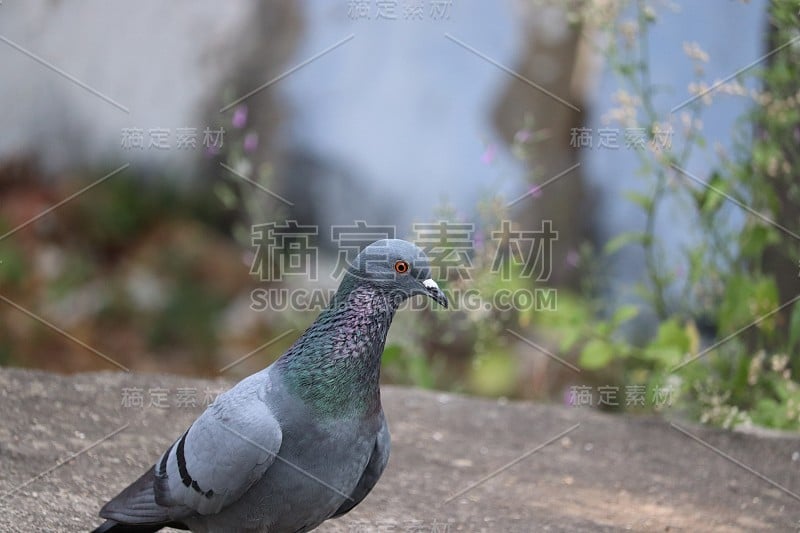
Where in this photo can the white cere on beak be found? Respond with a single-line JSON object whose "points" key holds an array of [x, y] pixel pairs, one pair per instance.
{"points": [[430, 284]]}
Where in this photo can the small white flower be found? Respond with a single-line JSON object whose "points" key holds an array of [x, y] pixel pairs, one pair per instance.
{"points": [[694, 52]]}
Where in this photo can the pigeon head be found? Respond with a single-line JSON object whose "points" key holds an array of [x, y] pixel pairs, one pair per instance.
{"points": [[398, 269]]}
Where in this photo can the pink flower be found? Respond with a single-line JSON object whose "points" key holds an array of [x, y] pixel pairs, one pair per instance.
{"points": [[478, 241], [569, 397], [239, 119], [522, 136], [489, 154], [573, 258], [248, 258], [251, 142]]}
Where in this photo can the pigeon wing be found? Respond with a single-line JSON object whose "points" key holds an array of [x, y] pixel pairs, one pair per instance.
{"points": [[219, 457]]}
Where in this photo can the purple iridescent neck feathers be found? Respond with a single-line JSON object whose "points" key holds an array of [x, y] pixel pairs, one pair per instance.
{"points": [[335, 365]]}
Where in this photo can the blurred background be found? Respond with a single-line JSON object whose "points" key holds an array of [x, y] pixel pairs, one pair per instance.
{"points": [[152, 152]]}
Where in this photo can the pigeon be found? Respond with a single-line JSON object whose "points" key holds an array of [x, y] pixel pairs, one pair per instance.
{"points": [[299, 442]]}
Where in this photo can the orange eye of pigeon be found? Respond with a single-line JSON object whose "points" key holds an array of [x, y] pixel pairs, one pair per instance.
{"points": [[401, 267]]}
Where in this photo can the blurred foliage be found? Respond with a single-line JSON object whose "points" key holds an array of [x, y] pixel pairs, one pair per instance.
{"points": [[13, 271], [247, 189], [471, 347], [709, 322], [137, 267], [747, 370], [156, 277]]}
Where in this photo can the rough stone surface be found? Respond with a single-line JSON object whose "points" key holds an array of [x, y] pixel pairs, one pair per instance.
{"points": [[609, 473]]}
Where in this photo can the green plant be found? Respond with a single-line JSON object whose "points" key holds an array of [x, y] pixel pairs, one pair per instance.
{"points": [[750, 375]]}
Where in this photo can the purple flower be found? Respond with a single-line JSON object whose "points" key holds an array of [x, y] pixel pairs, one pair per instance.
{"points": [[478, 241], [569, 397], [251, 142], [573, 258], [489, 154], [239, 119], [522, 136]]}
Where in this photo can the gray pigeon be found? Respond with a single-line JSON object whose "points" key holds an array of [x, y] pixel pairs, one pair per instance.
{"points": [[299, 442]]}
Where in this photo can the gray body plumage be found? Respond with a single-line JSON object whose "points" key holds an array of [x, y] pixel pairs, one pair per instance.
{"points": [[297, 443]]}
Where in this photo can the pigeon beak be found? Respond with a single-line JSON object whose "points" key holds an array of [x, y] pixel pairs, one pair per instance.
{"points": [[435, 292]]}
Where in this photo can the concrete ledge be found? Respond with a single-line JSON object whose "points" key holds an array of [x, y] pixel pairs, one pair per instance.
{"points": [[606, 474]]}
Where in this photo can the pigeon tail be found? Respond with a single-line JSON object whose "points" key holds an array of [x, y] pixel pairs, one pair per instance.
{"points": [[135, 510]]}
